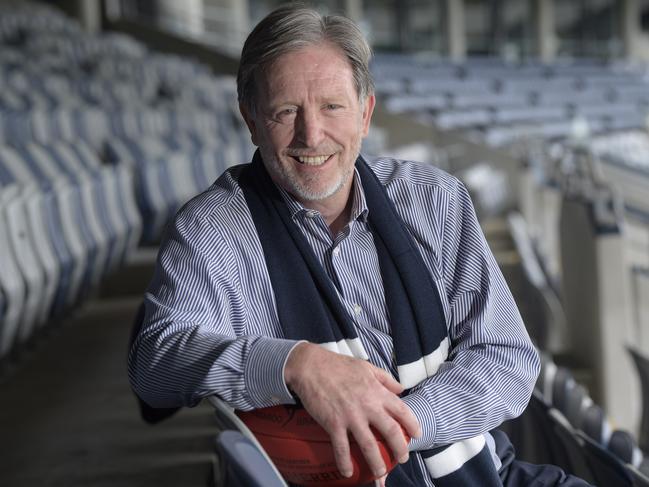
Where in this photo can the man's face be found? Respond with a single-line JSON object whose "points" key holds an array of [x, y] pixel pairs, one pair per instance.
{"points": [[309, 123]]}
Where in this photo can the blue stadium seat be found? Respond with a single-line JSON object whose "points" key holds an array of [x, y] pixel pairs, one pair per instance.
{"points": [[43, 248], [245, 461], [245, 464], [52, 226], [65, 201], [11, 281], [20, 238]]}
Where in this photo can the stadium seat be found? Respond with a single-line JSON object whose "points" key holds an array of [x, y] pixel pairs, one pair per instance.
{"points": [[575, 460], [575, 404], [11, 281], [245, 464], [537, 442], [595, 424], [53, 226], [607, 468], [623, 446], [44, 250], [126, 198], [64, 202], [244, 458], [563, 384], [640, 479], [3, 308], [642, 367], [20, 238]]}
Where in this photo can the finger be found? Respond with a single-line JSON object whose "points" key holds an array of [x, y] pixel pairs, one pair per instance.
{"points": [[380, 482], [406, 418], [393, 436], [370, 449], [388, 381], [340, 445]]}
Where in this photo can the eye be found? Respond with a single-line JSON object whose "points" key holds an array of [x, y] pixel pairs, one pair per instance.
{"points": [[332, 106], [288, 111], [285, 114]]}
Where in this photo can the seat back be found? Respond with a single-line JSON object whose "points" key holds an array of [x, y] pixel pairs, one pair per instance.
{"points": [[640, 479], [642, 367], [624, 447], [607, 468], [595, 424], [11, 282], [533, 436], [575, 461], [44, 247], [244, 463], [227, 420]]}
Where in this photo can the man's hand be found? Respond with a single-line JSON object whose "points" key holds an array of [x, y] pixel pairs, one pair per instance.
{"points": [[347, 395]]}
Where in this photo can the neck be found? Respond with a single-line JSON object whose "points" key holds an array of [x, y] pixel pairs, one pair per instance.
{"points": [[336, 209], [337, 223]]}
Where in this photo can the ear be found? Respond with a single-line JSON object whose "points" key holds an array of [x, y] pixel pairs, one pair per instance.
{"points": [[368, 109], [250, 122]]}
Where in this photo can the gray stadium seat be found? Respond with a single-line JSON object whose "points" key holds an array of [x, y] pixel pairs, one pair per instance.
{"points": [[575, 461], [623, 446], [642, 368], [607, 468]]}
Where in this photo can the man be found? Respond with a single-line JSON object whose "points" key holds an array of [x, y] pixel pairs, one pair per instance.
{"points": [[366, 290]]}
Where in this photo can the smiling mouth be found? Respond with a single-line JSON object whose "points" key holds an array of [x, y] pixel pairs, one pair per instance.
{"points": [[312, 160]]}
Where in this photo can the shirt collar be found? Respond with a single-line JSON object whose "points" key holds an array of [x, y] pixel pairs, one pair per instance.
{"points": [[359, 204]]}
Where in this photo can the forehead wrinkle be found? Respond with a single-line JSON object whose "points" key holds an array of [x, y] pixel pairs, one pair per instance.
{"points": [[309, 76]]}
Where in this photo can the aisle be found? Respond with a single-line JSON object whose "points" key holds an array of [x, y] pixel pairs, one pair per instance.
{"points": [[68, 417]]}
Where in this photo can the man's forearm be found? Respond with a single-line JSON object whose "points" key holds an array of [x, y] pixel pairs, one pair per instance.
{"points": [[471, 395], [179, 368]]}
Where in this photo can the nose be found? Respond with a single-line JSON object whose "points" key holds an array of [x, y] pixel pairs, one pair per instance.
{"points": [[309, 131]]}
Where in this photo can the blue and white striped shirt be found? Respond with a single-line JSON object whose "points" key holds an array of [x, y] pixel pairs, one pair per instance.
{"points": [[211, 324]]}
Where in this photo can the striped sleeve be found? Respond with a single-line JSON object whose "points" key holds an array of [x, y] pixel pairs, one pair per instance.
{"points": [[193, 342], [492, 364]]}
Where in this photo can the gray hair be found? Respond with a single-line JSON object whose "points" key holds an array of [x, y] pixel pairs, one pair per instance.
{"points": [[290, 28]]}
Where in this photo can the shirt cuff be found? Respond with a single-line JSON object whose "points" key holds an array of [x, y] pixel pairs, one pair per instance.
{"points": [[424, 414], [264, 372]]}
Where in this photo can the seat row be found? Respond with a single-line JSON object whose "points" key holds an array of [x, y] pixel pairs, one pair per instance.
{"points": [[169, 121], [170, 171], [564, 426], [66, 221], [506, 103]]}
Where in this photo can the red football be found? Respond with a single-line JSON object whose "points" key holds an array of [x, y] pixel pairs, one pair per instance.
{"points": [[301, 448]]}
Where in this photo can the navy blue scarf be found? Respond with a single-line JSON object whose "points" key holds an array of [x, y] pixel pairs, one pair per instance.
{"points": [[308, 307]]}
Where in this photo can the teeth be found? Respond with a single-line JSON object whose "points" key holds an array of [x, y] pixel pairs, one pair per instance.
{"points": [[313, 160]]}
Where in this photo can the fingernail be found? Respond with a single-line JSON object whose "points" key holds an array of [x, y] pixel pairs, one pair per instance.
{"points": [[379, 472], [404, 458], [346, 473]]}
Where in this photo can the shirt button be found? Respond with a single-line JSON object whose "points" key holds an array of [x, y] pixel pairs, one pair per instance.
{"points": [[357, 309], [311, 213], [275, 399], [336, 251]]}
